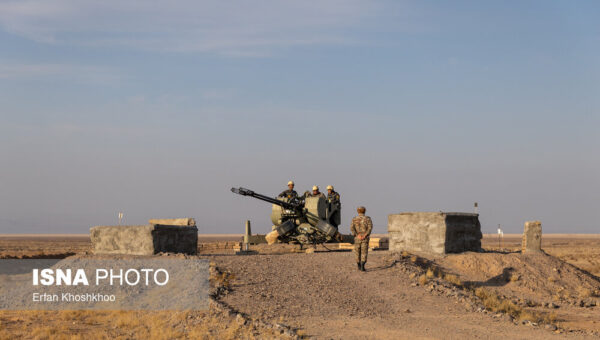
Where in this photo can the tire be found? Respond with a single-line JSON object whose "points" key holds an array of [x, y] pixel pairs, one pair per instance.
{"points": [[326, 228], [286, 227]]}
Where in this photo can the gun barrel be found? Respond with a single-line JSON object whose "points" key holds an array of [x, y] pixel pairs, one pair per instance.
{"points": [[247, 192]]}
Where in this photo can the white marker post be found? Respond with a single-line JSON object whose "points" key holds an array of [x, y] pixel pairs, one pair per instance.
{"points": [[120, 217], [500, 236]]}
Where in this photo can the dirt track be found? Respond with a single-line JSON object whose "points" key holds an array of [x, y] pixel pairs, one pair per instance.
{"points": [[324, 295]]}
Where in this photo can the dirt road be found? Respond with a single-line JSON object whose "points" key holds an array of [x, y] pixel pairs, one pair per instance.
{"points": [[324, 295]]}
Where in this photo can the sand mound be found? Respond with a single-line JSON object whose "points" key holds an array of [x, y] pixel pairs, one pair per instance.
{"points": [[540, 278]]}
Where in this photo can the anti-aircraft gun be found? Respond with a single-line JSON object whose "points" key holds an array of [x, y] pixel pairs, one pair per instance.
{"points": [[299, 220]]}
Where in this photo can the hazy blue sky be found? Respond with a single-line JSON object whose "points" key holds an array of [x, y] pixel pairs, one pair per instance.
{"points": [[157, 108]]}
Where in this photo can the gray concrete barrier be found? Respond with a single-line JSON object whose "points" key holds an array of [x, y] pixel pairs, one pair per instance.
{"points": [[144, 239], [434, 232]]}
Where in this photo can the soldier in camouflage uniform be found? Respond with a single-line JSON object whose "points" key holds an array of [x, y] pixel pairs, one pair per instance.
{"points": [[290, 192], [361, 228]]}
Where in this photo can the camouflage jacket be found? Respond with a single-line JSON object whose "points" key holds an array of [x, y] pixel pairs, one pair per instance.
{"points": [[289, 194], [361, 224]]}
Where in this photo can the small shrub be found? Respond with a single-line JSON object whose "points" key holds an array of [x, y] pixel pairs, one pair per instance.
{"points": [[454, 279], [584, 292], [423, 280], [550, 317], [223, 279], [528, 316], [43, 332], [495, 303]]}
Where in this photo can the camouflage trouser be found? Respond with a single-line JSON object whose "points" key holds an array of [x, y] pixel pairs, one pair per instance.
{"points": [[361, 249]]}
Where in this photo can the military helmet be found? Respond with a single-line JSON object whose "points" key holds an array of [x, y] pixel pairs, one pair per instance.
{"points": [[290, 183], [315, 187], [330, 187]]}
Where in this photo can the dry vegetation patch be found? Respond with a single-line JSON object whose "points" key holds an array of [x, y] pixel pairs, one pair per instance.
{"points": [[125, 325]]}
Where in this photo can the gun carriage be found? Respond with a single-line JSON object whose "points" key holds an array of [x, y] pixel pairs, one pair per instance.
{"points": [[303, 220]]}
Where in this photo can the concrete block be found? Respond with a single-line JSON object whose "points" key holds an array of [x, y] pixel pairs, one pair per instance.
{"points": [[144, 239], [255, 239], [173, 221], [434, 232], [532, 237], [375, 243], [345, 246], [379, 243]]}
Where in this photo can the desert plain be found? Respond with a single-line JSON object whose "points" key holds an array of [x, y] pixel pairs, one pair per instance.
{"points": [[282, 291]]}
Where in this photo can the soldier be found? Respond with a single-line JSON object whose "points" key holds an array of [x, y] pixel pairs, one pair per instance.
{"points": [[316, 192], [332, 196], [361, 228], [290, 192], [334, 205]]}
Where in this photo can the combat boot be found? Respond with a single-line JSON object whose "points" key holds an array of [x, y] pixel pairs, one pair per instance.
{"points": [[358, 264], [362, 266]]}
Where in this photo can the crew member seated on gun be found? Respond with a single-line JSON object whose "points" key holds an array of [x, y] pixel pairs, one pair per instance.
{"points": [[316, 192], [290, 192], [361, 228]]}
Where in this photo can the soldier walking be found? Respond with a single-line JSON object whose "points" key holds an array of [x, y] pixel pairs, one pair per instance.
{"points": [[290, 192], [361, 228]]}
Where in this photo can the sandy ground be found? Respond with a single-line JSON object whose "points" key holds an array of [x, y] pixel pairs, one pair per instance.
{"points": [[582, 251], [322, 295]]}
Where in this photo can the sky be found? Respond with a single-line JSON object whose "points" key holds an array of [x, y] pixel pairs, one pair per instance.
{"points": [[157, 108]]}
